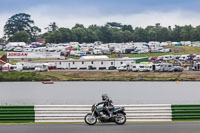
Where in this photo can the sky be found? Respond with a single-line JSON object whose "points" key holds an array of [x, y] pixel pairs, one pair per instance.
{"points": [[138, 13]]}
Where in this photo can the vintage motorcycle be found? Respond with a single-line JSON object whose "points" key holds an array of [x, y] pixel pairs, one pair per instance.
{"points": [[100, 114]]}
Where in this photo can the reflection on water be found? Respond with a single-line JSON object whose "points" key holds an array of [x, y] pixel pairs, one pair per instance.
{"points": [[31, 93]]}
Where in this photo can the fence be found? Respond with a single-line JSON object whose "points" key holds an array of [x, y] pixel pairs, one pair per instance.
{"points": [[76, 113], [13, 114], [185, 112]]}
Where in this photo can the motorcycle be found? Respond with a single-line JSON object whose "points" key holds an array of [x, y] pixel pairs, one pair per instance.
{"points": [[100, 114]]}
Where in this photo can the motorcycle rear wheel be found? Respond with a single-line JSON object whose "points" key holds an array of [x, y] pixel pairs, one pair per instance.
{"points": [[90, 120], [120, 119]]}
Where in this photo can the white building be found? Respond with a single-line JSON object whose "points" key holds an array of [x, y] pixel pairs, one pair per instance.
{"points": [[98, 64]]}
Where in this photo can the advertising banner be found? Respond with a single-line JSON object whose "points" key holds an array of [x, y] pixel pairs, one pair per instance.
{"points": [[20, 55]]}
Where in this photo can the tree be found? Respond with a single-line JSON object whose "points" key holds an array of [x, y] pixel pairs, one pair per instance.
{"points": [[116, 32], [2, 40], [117, 35], [54, 37], [52, 27], [151, 33], [195, 34], [20, 36], [78, 26], [107, 34], [20, 22], [80, 34], [127, 36], [185, 33], [175, 34], [140, 34], [65, 35], [35, 31], [127, 27], [92, 36]]}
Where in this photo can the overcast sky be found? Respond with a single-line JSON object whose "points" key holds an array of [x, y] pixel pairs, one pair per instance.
{"points": [[66, 13]]}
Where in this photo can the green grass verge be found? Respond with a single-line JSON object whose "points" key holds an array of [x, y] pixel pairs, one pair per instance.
{"points": [[2, 53], [21, 76], [85, 76]]}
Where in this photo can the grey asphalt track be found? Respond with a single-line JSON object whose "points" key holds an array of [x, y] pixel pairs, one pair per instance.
{"points": [[191, 127]]}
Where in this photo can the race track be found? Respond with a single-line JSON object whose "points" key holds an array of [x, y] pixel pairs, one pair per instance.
{"points": [[192, 127]]}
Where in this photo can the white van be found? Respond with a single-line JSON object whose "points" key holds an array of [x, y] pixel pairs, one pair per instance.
{"points": [[141, 68], [197, 58], [123, 67], [156, 67], [41, 67], [97, 52], [168, 57], [183, 57], [135, 68], [18, 67]]}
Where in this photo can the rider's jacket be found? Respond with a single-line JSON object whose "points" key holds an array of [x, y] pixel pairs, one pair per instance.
{"points": [[106, 103]]}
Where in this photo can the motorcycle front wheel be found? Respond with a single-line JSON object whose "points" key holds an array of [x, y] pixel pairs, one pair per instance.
{"points": [[120, 119], [90, 119]]}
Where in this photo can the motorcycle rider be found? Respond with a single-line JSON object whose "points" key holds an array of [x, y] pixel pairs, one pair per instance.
{"points": [[107, 104]]}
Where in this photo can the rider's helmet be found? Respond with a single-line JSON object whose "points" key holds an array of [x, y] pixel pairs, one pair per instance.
{"points": [[104, 97]]}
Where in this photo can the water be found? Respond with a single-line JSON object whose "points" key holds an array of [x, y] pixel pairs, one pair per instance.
{"points": [[32, 93]]}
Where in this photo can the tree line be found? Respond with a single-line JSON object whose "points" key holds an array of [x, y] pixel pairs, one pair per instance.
{"points": [[20, 27]]}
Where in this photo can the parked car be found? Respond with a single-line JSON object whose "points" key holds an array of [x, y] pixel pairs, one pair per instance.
{"points": [[18, 49], [9, 49], [97, 52], [178, 69], [197, 58], [183, 57], [168, 57]]}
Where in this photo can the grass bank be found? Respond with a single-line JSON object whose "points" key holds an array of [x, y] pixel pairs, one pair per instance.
{"points": [[22, 76], [2, 53], [98, 76]]}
